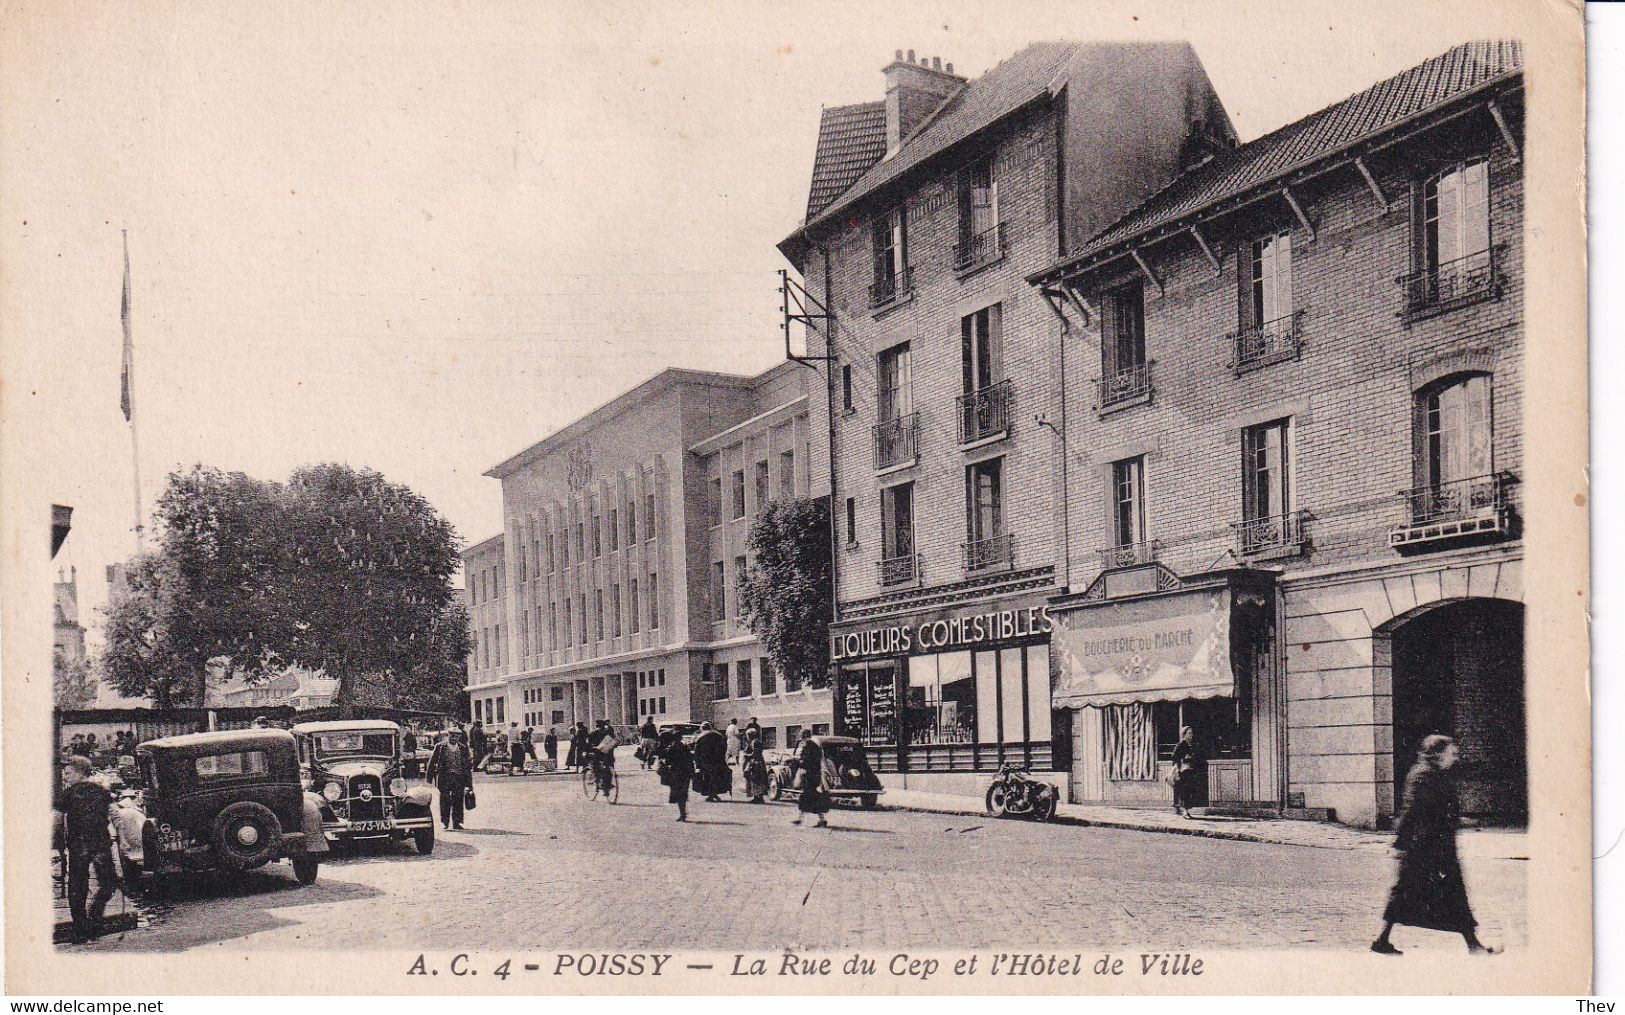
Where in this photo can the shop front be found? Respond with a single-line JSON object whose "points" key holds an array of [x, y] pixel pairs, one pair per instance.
{"points": [[1137, 667], [940, 696]]}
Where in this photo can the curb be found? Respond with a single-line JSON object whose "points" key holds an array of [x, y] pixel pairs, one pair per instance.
{"points": [[1066, 819]]}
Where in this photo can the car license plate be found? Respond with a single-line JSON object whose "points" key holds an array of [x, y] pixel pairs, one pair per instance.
{"points": [[369, 826]]}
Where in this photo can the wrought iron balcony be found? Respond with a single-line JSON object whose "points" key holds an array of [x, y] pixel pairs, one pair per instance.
{"points": [[1125, 386], [992, 554], [1453, 283], [890, 288], [987, 245], [1462, 507], [1282, 533], [984, 413], [1271, 342], [897, 441], [899, 570], [1128, 555]]}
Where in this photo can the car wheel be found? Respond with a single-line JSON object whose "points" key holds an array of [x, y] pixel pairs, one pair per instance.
{"points": [[423, 839], [245, 835], [305, 867], [775, 791], [998, 801]]}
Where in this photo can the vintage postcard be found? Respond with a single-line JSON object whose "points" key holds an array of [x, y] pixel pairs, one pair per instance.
{"points": [[1055, 498]]}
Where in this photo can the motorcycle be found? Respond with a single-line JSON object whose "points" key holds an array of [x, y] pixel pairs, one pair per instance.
{"points": [[1014, 792]]}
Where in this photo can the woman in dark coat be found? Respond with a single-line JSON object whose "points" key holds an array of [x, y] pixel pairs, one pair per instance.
{"points": [[576, 756], [814, 795], [1190, 773], [550, 747], [676, 769], [753, 767], [712, 775], [1429, 891]]}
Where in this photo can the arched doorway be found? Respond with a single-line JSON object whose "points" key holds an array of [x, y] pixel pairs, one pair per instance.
{"points": [[1458, 669]]}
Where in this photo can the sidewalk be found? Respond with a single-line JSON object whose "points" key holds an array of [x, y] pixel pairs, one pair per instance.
{"points": [[1475, 843]]}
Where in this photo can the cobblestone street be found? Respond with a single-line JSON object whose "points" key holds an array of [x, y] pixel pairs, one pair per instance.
{"points": [[541, 867]]}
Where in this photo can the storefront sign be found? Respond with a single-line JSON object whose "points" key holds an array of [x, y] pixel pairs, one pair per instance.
{"points": [[940, 633], [1164, 649]]}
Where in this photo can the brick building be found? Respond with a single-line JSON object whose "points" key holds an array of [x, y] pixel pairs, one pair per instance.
{"points": [[1294, 431], [944, 415], [597, 600]]}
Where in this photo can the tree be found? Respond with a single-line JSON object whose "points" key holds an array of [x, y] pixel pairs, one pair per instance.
{"points": [[72, 682], [337, 570], [787, 592]]}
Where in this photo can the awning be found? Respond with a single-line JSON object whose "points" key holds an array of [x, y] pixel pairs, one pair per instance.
{"points": [[1160, 648]]}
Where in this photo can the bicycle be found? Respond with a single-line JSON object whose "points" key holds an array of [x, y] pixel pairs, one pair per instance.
{"points": [[598, 778]]}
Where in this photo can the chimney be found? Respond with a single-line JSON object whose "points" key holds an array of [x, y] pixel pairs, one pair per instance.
{"points": [[914, 90]]}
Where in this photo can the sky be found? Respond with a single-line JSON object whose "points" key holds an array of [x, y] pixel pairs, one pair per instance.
{"points": [[421, 237]]}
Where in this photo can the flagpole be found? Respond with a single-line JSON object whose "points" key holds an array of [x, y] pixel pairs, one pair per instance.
{"points": [[127, 398]]}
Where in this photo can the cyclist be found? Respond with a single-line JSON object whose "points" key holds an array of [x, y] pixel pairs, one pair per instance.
{"points": [[601, 745]]}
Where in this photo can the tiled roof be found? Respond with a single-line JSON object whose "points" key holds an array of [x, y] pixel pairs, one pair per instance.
{"points": [[1316, 136], [974, 107], [850, 140]]}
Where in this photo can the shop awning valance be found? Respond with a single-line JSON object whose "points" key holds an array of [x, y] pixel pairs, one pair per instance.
{"points": [[1162, 648]]}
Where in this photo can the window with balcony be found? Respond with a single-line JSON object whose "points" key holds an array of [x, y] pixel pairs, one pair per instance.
{"points": [[899, 563], [987, 545], [896, 429], [1455, 260], [738, 493], [892, 281], [743, 679], [1268, 330], [763, 493], [1125, 375], [984, 407], [719, 592], [1269, 524], [981, 234], [1129, 543], [1457, 492]]}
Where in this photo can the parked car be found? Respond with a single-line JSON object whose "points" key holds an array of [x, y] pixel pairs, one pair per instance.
{"points": [[356, 768], [847, 774], [688, 732], [229, 800]]}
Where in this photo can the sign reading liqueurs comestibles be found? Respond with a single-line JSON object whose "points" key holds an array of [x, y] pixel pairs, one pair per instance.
{"points": [[940, 634]]}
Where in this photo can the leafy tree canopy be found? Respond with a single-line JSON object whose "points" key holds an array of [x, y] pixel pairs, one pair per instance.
{"points": [[787, 590], [337, 569]]}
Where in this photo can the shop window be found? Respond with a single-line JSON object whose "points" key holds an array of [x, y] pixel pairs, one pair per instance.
{"points": [[1222, 726], [940, 707], [742, 679]]}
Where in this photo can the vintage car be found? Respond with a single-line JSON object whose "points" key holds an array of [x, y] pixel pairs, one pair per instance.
{"points": [[688, 732], [847, 774], [355, 767], [229, 800]]}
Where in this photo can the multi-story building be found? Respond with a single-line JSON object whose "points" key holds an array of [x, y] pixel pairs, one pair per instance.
{"points": [[926, 212], [611, 592], [1294, 433]]}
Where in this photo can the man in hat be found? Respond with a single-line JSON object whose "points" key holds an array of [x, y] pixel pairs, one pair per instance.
{"points": [[84, 804], [451, 769]]}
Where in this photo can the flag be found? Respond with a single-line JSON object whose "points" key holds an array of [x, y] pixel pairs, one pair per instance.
{"points": [[129, 349]]}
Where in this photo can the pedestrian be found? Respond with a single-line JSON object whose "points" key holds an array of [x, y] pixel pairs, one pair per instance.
{"points": [[1189, 773], [736, 741], [601, 744], [451, 769], [648, 738], [550, 749], [516, 750], [753, 725], [1430, 891], [477, 745], [754, 768], [530, 742], [712, 775], [86, 808], [676, 768], [409, 753], [812, 795]]}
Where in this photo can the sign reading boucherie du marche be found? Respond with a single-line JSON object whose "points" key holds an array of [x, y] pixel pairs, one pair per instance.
{"points": [[1162, 649], [939, 633]]}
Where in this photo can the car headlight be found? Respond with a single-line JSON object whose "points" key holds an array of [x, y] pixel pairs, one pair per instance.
{"points": [[332, 791], [397, 786]]}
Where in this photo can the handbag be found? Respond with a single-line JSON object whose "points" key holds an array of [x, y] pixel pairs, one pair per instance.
{"points": [[469, 800]]}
